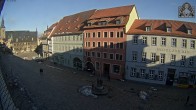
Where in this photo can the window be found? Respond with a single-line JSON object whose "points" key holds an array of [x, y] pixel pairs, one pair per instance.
{"points": [[142, 71], [89, 24], [173, 59], [118, 22], [169, 29], [98, 44], [93, 44], [89, 44], [111, 56], [191, 62], [153, 57], [162, 58], [134, 56], [189, 31], [111, 34], [148, 28], [102, 23], [98, 55], [105, 44], [99, 34], [143, 56], [151, 74], [77, 37], [116, 68], [184, 43], [104, 55], [88, 54], [135, 39], [163, 41], [174, 42], [93, 54], [120, 34], [97, 65], [183, 60], [119, 45], [81, 38], [133, 72], [94, 34], [118, 57], [105, 34], [183, 74], [144, 40], [192, 44], [86, 44], [111, 45], [154, 41], [89, 35], [160, 75]]}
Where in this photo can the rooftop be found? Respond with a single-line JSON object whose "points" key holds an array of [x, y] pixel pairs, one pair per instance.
{"points": [[159, 27], [112, 12], [73, 23]]}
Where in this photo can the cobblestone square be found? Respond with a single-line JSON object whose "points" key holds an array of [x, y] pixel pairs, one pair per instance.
{"points": [[57, 89]]}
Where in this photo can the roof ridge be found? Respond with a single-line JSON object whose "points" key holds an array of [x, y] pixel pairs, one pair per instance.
{"points": [[116, 7]]}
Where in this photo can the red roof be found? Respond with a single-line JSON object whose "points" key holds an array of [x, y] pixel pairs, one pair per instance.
{"points": [[112, 12], [73, 23], [158, 27], [48, 32], [110, 16]]}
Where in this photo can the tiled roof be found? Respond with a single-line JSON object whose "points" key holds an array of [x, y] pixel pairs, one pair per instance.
{"points": [[158, 27], [51, 27], [73, 23], [108, 17], [22, 36], [112, 12], [49, 31]]}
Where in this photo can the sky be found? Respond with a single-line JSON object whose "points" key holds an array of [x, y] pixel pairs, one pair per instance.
{"points": [[32, 14]]}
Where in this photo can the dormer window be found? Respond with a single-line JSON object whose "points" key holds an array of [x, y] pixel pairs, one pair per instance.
{"points": [[189, 31], [89, 24], [169, 29], [102, 23], [148, 28], [118, 22]]}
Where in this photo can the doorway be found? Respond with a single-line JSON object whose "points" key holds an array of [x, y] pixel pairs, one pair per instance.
{"points": [[106, 69], [170, 76]]}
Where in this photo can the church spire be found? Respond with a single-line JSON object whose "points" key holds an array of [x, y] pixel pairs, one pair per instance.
{"points": [[2, 23]]}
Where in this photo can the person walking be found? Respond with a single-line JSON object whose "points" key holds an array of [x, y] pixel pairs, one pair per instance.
{"points": [[187, 100], [41, 71]]}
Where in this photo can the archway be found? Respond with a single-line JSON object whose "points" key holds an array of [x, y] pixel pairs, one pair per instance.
{"points": [[77, 63], [89, 66]]}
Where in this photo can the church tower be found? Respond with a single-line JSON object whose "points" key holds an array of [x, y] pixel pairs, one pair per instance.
{"points": [[2, 29]]}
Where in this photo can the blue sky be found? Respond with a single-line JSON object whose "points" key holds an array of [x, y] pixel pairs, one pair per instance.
{"points": [[32, 14]]}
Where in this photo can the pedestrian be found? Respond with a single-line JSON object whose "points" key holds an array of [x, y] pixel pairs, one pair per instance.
{"points": [[187, 100], [41, 71]]}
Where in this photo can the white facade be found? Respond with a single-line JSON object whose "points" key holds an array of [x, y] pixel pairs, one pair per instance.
{"points": [[68, 50], [160, 59]]}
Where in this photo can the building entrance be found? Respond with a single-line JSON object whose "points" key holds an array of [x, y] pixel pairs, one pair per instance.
{"points": [[170, 76], [106, 69]]}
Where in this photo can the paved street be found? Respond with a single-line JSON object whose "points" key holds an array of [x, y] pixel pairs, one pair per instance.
{"points": [[57, 89]]}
